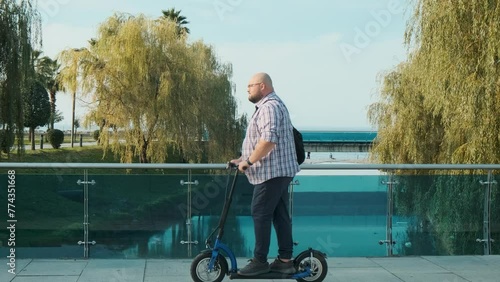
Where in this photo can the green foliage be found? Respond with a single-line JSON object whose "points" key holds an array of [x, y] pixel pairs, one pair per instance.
{"points": [[55, 138], [442, 104], [179, 20], [57, 116], [46, 73], [36, 106], [155, 88], [19, 33], [6, 141]]}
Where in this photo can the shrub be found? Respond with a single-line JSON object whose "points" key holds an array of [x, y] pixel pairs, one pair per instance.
{"points": [[6, 141], [55, 137]]}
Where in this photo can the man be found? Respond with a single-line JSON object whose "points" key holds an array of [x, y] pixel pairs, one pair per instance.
{"points": [[270, 163]]}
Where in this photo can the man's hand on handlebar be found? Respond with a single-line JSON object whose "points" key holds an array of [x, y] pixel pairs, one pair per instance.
{"points": [[241, 165]]}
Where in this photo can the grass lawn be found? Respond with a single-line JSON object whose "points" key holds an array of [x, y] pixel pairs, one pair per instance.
{"points": [[86, 154]]}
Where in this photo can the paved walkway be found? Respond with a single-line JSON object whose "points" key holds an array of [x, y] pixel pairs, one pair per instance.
{"points": [[378, 269]]}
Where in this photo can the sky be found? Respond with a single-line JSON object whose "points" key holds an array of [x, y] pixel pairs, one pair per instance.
{"points": [[326, 57]]}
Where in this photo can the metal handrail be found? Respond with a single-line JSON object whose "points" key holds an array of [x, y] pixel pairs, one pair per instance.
{"points": [[223, 166]]}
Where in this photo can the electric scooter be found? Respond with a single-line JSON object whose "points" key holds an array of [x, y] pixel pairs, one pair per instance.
{"points": [[211, 265]]}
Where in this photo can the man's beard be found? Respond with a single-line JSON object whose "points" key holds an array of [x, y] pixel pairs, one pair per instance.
{"points": [[255, 99]]}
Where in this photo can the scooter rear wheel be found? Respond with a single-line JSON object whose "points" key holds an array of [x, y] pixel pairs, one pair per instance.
{"points": [[199, 268], [317, 263]]}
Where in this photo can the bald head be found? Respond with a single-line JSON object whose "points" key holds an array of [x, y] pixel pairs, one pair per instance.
{"points": [[264, 81], [264, 78], [259, 86]]}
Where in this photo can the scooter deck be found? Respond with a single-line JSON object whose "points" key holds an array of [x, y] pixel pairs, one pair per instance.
{"points": [[269, 275]]}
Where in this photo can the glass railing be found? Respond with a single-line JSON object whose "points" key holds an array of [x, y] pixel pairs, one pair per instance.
{"points": [[168, 210]]}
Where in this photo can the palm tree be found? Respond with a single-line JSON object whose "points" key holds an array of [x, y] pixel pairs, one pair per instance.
{"points": [[68, 78], [46, 73], [179, 20]]}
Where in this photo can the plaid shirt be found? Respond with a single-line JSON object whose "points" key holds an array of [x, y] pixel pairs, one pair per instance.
{"points": [[271, 122]]}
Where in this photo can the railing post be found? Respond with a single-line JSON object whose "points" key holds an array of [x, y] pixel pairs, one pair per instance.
{"points": [[388, 232], [290, 203], [41, 141], [290, 197], [189, 240], [86, 223], [487, 240]]}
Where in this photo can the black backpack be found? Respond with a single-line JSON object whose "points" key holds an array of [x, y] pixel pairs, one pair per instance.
{"points": [[299, 146]]}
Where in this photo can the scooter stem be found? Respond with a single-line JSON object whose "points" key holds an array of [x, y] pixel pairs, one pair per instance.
{"points": [[227, 205]]}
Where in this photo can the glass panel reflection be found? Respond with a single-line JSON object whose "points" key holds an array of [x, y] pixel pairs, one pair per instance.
{"points": [[143, 213], [49, 215], [444, 214]]}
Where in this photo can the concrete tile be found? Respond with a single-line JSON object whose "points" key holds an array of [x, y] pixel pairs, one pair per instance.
{"points": [[408, 265], [371, 274], [116, 263], [46, 279], [453, 263], [53, 268], [386, 269], [494, 260], [112, 275], [480, 276], [108, 270], [5, 275], [20, 264], [430, 277], [350, 263], [169, 278], [170, 267]]}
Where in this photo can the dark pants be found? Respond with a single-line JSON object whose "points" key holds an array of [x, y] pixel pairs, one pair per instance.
{"points": [[270, 206]]}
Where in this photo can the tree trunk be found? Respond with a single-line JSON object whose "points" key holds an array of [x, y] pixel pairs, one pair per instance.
{"points": [[32, 137], [73, 121], [143, 158], [52, 96]]}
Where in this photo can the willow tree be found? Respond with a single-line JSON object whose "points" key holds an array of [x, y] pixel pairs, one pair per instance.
{"points": [[446, 95], [442, 105], [19, 35], [152, 89]]}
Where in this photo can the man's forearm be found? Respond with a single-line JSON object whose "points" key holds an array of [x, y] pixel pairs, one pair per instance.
{"points": [[261, 150]]}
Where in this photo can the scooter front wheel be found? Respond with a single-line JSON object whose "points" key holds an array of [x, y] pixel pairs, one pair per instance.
{"points": [[200, 272], [317, 263]]}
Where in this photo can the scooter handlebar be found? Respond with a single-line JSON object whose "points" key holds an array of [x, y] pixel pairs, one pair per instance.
{"points": [[231, 165]]}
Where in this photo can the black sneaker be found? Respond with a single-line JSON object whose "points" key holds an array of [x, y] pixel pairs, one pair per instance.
{"points": [[254, 267], [282, 267]]}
